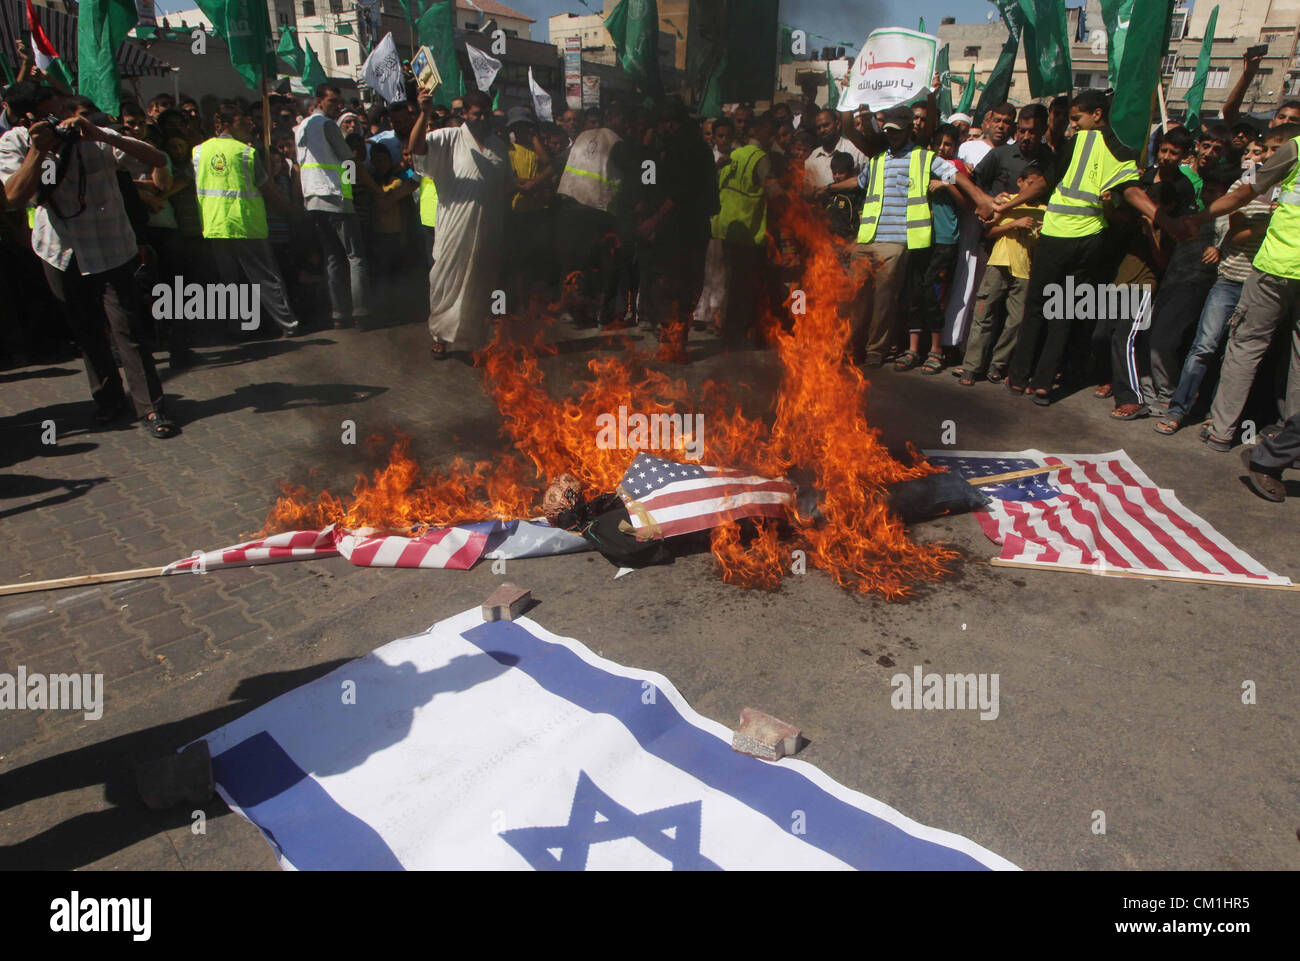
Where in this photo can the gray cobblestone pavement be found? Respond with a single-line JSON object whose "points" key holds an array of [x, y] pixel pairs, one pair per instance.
{"points": [[1122, 696]]}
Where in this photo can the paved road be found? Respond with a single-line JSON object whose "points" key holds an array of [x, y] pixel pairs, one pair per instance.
{"points": [[1116, 696]]}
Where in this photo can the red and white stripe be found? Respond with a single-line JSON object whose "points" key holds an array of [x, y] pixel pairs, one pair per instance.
{"points": [[42, 48], [452, 548], [1110, 515], [699, 503]]}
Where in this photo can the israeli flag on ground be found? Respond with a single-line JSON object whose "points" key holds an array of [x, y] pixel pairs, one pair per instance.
{"points": [[502, 746]]}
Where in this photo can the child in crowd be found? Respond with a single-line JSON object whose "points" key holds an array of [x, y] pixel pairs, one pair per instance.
{"points": [[1000, 301], [843, 208], [386, 224]]}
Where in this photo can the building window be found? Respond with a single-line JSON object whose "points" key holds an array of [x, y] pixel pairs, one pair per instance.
{"points": [[1184, 77], [1217, 78], [309, 8], [1083, 81], [1293, 84], [283, 18], [1178, 25], [971, 52], [336, 6], [340, 58], [1167, 64]]}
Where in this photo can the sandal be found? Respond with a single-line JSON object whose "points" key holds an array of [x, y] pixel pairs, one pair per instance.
{"points": [[1167, 426], [1130, 411], [933, 363], [967, 378], [439, 350], [1042, 396], [907, 361], [1214, 442], [1014, 388], [158, 425], [1104, 391], [995, 376]]}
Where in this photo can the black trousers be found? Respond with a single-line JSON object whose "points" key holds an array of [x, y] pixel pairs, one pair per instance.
{"points": [[1043, 343], [110, 295], [588, 244], [672, 273], [1274, 454]]}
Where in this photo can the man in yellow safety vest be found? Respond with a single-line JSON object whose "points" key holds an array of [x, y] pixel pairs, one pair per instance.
{"points": [[229, 182]]}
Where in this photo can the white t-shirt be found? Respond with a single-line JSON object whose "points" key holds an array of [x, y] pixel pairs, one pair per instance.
{"points": [[817, 168], [973, 151]]}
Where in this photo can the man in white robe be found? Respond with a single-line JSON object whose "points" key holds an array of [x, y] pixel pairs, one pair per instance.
{"points": [[470, 168]]}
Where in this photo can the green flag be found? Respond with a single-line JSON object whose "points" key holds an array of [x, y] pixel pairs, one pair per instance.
{"points": [[1047, 45], [248, 34], [496, 101], [290, 52], [1196, 92], [967, 95], [998, 84], [832, 90], [436, 30], [787, 42], [5, 70], [102, 25], [945, 82], [312, 73], [634, 27], [920, 27], [1141, 33]]}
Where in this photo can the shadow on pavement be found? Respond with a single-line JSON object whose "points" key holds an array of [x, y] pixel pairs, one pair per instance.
{"points": [[270, 397], [25, 485]]}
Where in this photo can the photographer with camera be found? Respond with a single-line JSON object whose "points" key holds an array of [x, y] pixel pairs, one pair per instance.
{"points": [[81, 232]]}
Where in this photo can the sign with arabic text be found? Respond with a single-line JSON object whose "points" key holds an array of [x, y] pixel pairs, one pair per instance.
{"points": [[895, 66]]}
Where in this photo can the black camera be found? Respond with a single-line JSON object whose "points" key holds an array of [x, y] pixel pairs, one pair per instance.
{"points": [[65, 135]]}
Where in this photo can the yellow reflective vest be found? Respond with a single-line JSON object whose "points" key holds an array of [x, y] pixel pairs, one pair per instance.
{"points": [[428, 202], [919, 224], [1075, 208], [1279, 254], [230, 205], [742, 214]]}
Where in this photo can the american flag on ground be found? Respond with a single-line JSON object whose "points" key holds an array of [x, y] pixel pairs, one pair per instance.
{"points": [[671, 498], [1101, 512], [451, 548]]}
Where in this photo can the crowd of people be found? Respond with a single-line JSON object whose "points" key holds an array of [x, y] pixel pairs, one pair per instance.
{"points": [[1026, 247]]}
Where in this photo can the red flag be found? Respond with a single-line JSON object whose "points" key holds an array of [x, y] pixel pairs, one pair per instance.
{"points": [[39, 40]]}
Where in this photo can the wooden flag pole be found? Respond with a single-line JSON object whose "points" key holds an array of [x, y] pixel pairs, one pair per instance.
{"points": [[1137, 575], [80, 579], [1014, 475]]}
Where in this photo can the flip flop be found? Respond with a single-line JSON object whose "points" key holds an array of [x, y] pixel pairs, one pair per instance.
{"points": [[1104, 391], [1042, 397], [907, 361], [1167, 426], [1129, 411]]}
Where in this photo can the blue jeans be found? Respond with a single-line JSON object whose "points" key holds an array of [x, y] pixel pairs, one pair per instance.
{"points": [[1219, 305]]}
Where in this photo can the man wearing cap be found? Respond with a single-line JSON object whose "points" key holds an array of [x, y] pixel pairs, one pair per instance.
{"points": [[895, 234]]}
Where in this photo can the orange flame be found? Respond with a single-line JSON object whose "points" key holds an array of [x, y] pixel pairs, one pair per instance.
{"points": [[818, 425]]}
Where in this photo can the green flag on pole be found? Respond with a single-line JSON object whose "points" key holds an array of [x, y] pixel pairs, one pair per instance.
{"points": [[787, 44], [312, 73], [496, 101], [832, 90], [248, 35], [634, 27], [998, 85], [1141, 32], [5, 69], [945, 82], [102, 25], [1196, 92], [290, 52], [920, 27], [1047, 45], [967, 95], [437, 31]]}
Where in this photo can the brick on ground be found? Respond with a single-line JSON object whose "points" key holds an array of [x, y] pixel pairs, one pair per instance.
{"points": [[763, 736]]}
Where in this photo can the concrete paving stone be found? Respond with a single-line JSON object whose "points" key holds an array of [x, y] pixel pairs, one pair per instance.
{"points": [[188, 654], [48, 547], [123, 661], [224, 624], [44, 636], [100, 635], [149, 601], [118, 510], [151, 542], [257, 594], [17, 729], [283, 618], [163, 629], [97, 546], [82, 529], [87, 611]]}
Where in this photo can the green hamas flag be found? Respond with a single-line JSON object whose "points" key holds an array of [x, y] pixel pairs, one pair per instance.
{"points": [[967, 95], [945, 82], [1047, 45], [436, 30], [1196, 92], [832, 90], [5, 70], [290, 52], [1141, 32], [634, 27], [248, 34], [312, 73], [998, 85], [920, 27], [102, 25], [787, 44]]}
